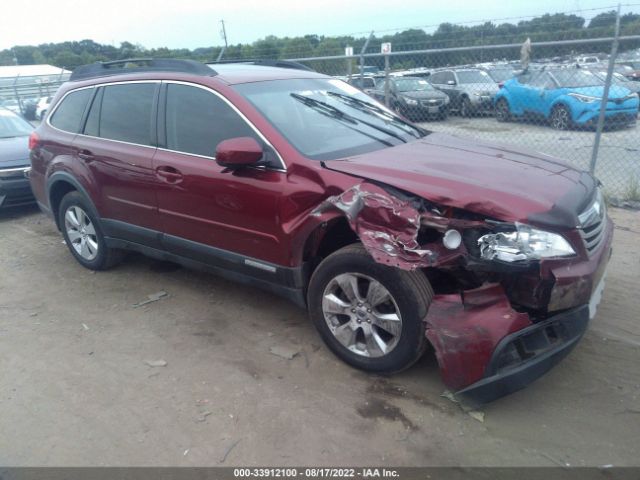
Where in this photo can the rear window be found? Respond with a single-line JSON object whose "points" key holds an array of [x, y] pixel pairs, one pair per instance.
{"points": [[68, 115], [125, 114]]}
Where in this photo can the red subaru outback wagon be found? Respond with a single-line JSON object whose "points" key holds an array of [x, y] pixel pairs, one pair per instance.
{"points": [[393, 237]]}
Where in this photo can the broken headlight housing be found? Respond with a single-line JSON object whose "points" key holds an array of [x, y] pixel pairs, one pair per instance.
{"points": [[523, 243]]}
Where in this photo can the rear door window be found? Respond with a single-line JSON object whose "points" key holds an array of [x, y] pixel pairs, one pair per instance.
{"points": [[197, 121], [68, 115], [126, 113]]}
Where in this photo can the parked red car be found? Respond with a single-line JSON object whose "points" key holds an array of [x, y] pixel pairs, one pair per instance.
{"points": [[393, 237]]}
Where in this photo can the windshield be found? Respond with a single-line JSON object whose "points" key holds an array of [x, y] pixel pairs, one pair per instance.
{"points": [[473, 76], [617, 77], [501, 75], [412, 85], [571, 78], [13, 126], [326, 119]]}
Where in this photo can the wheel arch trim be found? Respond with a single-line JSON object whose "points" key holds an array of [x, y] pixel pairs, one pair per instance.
{"points": [[64, 177]]}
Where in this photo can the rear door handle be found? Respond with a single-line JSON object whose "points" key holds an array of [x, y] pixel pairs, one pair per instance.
{"points": [[86, 155], [169, 174]]}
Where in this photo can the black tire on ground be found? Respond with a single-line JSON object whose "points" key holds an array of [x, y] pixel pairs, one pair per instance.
{"points": [[465, 107], [503, 113], [411, 292], [105, 257], [560, 118]]}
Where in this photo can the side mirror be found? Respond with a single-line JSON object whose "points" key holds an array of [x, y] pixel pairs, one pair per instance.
{"points": [[451, 82], [238, 152]]}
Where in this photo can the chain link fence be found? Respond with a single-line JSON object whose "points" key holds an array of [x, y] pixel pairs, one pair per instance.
{"points": [[551, 103], [30, 95]]}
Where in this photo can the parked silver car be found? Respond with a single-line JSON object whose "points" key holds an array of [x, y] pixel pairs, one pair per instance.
{"points": [[470, 90]]}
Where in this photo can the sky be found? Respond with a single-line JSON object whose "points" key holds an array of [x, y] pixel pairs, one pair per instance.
{"points": [[196, 23]]}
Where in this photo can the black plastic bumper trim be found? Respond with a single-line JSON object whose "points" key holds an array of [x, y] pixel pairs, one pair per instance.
{"points": [[499, 382]]}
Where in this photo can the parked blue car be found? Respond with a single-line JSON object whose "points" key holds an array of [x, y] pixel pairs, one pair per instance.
{"points": [[565, 97]]}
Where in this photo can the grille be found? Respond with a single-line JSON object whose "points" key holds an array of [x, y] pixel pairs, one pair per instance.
{"points": [[592, 223], [432, 103]]}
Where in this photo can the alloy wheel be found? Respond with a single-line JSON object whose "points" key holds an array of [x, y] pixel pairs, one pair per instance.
{"points": [[502, 111], [560, 118], [81, 232], [362, 314]]}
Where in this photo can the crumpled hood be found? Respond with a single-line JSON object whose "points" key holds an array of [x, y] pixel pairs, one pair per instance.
{"points": [[14, 152], [501, 182]]}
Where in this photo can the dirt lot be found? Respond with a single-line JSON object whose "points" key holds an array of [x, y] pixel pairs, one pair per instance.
{"points": [[75, 388]]}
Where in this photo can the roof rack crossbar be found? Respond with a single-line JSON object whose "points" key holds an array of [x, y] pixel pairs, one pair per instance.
{"points": [[266, 63], [140, 65]]}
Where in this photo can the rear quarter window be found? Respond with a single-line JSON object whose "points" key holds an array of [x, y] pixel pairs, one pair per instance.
{"points": [[68, 114]]}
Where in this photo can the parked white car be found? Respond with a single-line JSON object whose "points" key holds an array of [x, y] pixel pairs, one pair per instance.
{"points": [[42, 107]]}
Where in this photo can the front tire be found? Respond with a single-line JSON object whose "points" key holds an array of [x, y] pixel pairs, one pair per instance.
{"points": [[561, 118], [465, 107], [503, 113], [370, 315], [83, 235]]}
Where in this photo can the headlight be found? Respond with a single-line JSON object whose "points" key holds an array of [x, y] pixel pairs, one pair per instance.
{"points": [[525, 243], [585, 98], [410, 101]]}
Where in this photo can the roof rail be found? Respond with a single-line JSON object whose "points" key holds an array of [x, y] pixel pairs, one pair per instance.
{"points": [[267, 63], [140, 65]]}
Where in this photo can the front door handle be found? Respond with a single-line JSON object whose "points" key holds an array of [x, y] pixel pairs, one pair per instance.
{"points": [[169, 174]]}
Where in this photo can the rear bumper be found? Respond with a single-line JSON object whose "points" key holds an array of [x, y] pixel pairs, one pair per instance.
{"points": [[523, 356]]}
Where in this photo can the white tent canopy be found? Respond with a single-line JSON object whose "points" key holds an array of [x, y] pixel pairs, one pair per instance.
{"points": [[13, 71]]}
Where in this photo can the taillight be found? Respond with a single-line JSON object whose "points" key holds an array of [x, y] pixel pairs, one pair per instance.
{"points": [[33, 140]]}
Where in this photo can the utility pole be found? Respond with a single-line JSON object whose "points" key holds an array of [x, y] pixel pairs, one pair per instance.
{"points": [[223, 34], [605, 95]]}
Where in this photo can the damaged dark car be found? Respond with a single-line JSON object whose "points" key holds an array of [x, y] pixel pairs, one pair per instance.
{"points": [[395, 239]]}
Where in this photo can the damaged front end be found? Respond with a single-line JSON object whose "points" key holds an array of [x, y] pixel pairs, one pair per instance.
{"points": [[511, 299]]}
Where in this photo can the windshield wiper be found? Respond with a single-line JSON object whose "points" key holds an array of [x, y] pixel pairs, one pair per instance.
{"points": [[333, 112], [370, 107]]}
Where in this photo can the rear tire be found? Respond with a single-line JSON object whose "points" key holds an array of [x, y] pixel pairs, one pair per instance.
{"points": [[83, 234], [370, 315]]}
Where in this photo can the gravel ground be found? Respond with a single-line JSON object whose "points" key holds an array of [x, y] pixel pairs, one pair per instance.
{"points": [[78, 386]]}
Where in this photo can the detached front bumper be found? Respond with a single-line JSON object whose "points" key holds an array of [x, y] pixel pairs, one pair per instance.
{"points": [[487, 349], [523, 356]]}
